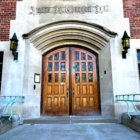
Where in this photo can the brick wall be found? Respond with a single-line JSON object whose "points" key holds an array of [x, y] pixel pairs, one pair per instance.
{"points": [[132, 11], [8, 12]]}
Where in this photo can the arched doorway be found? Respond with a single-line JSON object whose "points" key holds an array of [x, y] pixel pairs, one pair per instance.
{"points": [[70, 84], [99, 39]]}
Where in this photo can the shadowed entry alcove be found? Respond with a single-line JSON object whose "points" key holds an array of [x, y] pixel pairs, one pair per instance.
{"points": [[88, 35]]}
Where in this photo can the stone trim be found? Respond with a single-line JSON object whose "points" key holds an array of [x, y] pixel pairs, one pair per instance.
{"points": [[93, 25], [73, 32]]}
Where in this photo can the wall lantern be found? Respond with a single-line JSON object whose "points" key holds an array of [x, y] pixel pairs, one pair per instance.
{"points": [[126, 44], [13, 46]]}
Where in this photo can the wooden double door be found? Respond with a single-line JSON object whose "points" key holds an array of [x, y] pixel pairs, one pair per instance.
{"points": [[70, 82]]}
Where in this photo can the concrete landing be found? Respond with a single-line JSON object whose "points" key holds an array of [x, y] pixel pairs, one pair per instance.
{"points": [[71, 132], [70, 120]]}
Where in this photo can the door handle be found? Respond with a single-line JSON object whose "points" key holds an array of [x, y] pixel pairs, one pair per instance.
{"points": [[73, 92], [67, 91]]}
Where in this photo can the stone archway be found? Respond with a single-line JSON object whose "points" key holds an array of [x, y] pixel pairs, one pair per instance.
{"points": [[88, 35], [52, 35]]}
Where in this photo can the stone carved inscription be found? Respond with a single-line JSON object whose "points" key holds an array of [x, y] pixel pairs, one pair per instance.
{"points": [[70, 9]]}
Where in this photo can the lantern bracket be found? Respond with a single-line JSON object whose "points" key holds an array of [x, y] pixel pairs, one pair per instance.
{"points": [[15, 54]]}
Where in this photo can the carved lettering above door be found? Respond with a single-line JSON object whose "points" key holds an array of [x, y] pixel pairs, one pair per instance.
{"points": [[70, 9]]}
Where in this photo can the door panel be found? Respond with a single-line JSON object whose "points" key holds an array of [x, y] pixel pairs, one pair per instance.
{"points": [[84, 83], [83, 99], [56, 83]]}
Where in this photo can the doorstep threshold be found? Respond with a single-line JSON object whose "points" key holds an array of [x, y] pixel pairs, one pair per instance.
{"points": [[70, 120]]}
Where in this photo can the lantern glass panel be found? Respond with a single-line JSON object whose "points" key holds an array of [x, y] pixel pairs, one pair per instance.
{"points": [[124, 44], [127, 42], [13, 45]]}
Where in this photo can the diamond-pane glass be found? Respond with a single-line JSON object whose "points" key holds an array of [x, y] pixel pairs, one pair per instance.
{"points": [[89, 58], [83, 77], [56, 66], [63, 77], [63, 66], [90, 66], [90, 78], [56, 56], [56, 77], [63, 55], [77, 66], [83, 56], [77, 76], [50, 66], [76, 55], [49, 78], [83, 66]]}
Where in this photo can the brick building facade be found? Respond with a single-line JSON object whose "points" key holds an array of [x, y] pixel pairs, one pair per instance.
{"points": [[8, 12], [132, 11]]}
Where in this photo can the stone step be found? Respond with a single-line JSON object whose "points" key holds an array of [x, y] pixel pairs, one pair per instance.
{"points": [[6, 124], [134, 122], [70, 120]]}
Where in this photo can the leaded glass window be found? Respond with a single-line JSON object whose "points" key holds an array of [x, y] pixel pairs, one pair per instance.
{"points": [[76, 55], [83, 56], [56, 77], [56, 66], [63, 55], [63, 66], [90, 78], [49, 78], [50, 58], [56, 56], [90, 66], [89, 58], [83, 66], [77, 76], [50, 66], [77, 66], [83, 77], [63, 77]]}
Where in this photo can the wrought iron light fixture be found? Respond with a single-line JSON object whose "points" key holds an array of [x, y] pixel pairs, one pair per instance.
{"points": [[126, 44], [13, 46]]}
